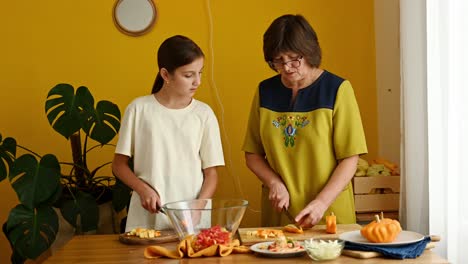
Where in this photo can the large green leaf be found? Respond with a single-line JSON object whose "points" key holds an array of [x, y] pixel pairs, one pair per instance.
{"points": [[35, 182], [86, 207], [68, 113], [31, 231], [84, 99], [7, 155], [103, 123], [15, 258], [62, 110], [55, 196]]}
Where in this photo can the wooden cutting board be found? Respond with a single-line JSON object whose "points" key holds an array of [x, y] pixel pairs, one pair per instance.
{"points": [[165, 237], [317, 231]]}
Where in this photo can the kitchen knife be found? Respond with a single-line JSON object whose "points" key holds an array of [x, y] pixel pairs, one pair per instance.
{"points": [[160, 209], [290, 217]]}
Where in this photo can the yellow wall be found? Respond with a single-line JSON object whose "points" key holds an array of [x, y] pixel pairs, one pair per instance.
{"points": [[52, 41]]}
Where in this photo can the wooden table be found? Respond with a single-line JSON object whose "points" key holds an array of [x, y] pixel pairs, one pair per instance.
{"points": [[107, 249]]}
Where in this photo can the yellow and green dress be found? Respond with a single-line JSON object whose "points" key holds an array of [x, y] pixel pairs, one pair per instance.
{"points": [[303, 141]]}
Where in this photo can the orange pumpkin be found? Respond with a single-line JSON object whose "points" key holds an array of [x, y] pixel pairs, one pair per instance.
{"points": [[381, 230], [330, 221]]}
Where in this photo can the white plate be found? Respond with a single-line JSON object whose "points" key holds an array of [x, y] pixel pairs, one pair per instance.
{"points": [[404, 238], [262, 249]]}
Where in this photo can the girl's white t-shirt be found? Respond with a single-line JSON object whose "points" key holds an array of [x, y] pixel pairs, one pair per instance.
{"points": [[170, 148]]}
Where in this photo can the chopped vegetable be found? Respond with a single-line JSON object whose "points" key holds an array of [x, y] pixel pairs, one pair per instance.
{"points": [[293, 229], [285, 244], [331, 223], [323, 250], [212, 236], [144, 233], [267, 233]]}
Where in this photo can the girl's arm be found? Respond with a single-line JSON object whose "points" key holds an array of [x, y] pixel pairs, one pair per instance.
{"points": [[209, 183], [148, 197]]}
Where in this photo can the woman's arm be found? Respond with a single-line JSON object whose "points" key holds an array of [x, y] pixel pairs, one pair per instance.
{"points": [[210, 182], [340, 177], [278, 195], [148, 197]]}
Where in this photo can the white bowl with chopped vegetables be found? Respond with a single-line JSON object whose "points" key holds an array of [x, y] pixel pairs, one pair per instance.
{"points": [[323, 249]]}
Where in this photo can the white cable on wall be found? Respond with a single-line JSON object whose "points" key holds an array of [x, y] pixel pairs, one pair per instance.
{"points": [[229, 167], [218, 99]]}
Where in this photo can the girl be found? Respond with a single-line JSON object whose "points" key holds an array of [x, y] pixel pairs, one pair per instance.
{"points": [[174, 140]]}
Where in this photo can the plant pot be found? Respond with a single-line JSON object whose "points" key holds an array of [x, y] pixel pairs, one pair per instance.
{"points": [[106, 225]]}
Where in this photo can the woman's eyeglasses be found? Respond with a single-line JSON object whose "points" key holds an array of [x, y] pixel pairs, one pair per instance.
{"points": [[278, 65]]}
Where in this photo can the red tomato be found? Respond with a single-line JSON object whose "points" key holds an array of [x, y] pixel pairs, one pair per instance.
{"points": [[211, 236]]}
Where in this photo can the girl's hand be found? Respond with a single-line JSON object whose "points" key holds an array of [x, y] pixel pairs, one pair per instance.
{"points": [[311, 214], [149, 199], [279, 196]]}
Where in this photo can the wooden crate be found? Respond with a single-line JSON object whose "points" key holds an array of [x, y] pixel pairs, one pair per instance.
{"points": [[364, 185], [366, 202], [365, 218], [377, 202]]}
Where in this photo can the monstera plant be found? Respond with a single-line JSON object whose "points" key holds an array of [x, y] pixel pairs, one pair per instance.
{"points": [[44, 182]]}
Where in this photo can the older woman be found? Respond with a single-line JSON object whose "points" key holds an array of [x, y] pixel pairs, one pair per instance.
{"points": [[304, 134]]}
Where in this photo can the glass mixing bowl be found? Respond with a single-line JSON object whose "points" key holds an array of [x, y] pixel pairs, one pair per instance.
{"points": [[189, 217]]}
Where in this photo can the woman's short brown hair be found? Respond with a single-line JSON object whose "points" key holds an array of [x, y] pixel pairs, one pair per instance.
{"points": [[292, 33]]}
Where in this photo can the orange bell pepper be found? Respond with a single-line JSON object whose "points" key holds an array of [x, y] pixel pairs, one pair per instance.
{"points": [[331, 223]]}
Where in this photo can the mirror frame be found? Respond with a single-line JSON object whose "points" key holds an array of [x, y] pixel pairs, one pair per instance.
{"points": [[125, 30]]}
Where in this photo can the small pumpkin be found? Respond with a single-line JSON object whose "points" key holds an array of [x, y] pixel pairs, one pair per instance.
{"points": [[381, 230], [330, 221]]}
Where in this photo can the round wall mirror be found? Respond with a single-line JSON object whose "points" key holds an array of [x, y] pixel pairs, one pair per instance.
{"points": [[134, 17]]}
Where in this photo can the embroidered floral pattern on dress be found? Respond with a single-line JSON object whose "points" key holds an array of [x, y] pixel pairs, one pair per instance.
{"points": [[290, 124]]}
